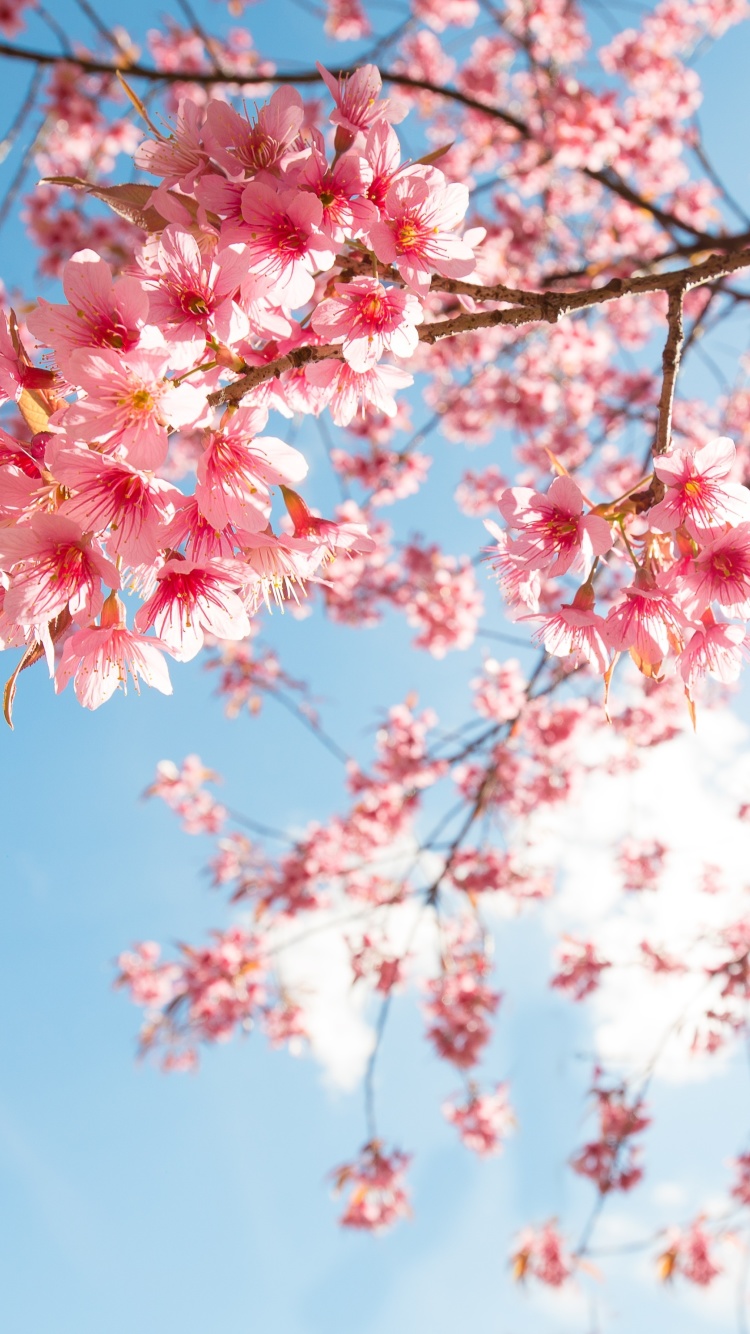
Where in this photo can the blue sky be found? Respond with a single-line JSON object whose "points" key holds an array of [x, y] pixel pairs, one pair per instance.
{"points": [[135, 1201]]}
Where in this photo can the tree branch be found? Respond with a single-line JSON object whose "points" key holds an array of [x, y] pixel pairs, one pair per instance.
{"points": [[670, 366], [608, 177], [539, 307]]}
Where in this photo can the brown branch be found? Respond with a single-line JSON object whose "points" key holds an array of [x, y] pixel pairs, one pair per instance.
{"points": [[540, 307], [670, 366], [608, 177]]}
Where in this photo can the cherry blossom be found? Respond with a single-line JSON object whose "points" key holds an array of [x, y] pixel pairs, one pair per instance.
{"points": [[98, 659], [547, 221], [377, 1196], [368, 319], [418, 230]]}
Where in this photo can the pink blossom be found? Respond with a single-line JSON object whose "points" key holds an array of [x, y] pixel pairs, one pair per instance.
{"points": [[192, 600], [369, 959], [576, 629], [698, 495], [688, 1253], [641, 863], [441, 14], [460, 1002], [580, 966], [237, 469], [282, 239], [347, 391], [184, 792], [646, 624], [106, 492], [716, 648], [99, 658], [53, 567], [380, 161], [129, 403], [100, 313], [181, 158], [346, 20], [369, 319], [246, 148], [375, 1182], [611, 1161], [418, 230], [191, 295], [340, 189], [500, 693], [441, 599], [555, 535], [722, 572], [358, 102], [483, 1120], [201, 998], [541, 1253]]}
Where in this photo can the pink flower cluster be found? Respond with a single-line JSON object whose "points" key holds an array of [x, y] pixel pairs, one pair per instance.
{"points": [[460, 1000], [610, 1160], [483, 1120], [252, 226], [377, 1196], [685, 549], [202, 998]]}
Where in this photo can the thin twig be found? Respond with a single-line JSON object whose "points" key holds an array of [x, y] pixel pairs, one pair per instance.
{"points": [[607, 177], [21, 116], [670, 366]]}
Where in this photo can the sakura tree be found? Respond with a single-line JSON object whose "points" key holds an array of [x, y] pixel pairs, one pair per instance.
{"points": [[479, 226]]}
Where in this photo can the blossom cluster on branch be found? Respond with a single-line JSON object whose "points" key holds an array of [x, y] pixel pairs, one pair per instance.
{"points": [[546, 230]]}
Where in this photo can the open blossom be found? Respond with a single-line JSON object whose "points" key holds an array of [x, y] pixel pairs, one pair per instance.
{"points": [[483, 1120], [375, 1182], [358, 101], [179, 158], [418, 230], [716, 649], [369, 319], [646, 624], [576, 630], [191, 295], [237, 469], [53, 567], [541, 1253], [722, 572], [191, 601], [347, 392], [553, 532], [698, 495], [281, 233], [106, 492], [240, 145], [340, 188], [129, 403], [99, 658], [98, 313]]}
